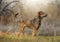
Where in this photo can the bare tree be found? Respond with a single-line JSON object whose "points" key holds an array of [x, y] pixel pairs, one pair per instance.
{"points": [[7, 15]]}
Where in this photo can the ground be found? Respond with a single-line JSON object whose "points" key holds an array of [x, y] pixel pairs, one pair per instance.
{"points": [[14, 38]]}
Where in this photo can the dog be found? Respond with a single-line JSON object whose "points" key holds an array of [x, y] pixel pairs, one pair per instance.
{"points": [[33, 24]]}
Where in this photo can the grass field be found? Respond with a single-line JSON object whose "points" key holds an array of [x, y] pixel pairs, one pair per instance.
{"points": [[13, 38]]}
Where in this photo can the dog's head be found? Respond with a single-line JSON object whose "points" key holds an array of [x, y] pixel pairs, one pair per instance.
{"points": [[42, 14]]}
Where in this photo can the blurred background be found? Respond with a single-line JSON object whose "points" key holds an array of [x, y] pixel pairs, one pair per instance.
{"points": [[29, 8]]}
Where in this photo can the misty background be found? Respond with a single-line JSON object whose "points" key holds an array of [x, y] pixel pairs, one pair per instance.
{"points": [[28, 9]]}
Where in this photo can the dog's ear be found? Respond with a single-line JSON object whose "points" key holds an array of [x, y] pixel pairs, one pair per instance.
{"points": [[40, 14]]}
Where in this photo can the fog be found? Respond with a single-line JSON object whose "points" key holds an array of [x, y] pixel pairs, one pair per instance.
{"points": [[29, 8]]}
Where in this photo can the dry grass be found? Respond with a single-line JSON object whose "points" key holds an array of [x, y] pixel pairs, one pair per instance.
{"points": [[13, 38]]}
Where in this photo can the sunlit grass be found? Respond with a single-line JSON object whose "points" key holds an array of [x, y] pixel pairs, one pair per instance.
{"points": [[13, 38]]}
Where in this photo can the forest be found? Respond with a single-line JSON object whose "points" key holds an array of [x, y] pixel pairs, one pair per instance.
{"points": [[12, 12]]}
